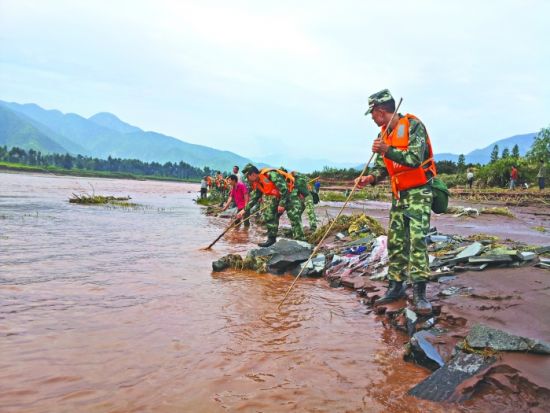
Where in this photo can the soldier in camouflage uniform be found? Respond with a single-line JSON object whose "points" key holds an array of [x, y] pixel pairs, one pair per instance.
{"points": [[304, 191], [411, 208], [278, 200]]}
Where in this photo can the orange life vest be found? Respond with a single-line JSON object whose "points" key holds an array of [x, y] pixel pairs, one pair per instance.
{"points": [[267, 187], [220, 182], [209, 181], [404, 177]]}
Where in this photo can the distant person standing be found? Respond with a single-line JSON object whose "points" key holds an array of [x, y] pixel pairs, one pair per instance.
{"points": [[470, 178], [316, 185], [204, 187], [514, 175], [237, 174], [542, 174]]}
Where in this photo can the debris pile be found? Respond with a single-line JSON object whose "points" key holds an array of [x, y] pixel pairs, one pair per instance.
{"points": [[459, 211], [97, 199], [283, 256]]}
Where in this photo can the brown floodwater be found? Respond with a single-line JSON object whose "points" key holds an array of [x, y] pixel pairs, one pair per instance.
{"points": [[117, 310]]}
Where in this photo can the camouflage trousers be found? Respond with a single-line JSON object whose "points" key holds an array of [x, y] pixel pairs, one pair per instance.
{"points": [[409, 225], [310, 211], [294, 211]]}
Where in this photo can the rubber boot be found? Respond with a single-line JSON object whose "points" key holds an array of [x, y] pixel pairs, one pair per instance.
{"points": [[395, 291], [421, 305], [270, 241]]}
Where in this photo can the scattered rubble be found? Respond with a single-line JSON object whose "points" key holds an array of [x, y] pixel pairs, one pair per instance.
{"points": [[355, 255]]}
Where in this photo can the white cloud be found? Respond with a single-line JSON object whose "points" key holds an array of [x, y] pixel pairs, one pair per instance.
{"points": [[295, 73]]}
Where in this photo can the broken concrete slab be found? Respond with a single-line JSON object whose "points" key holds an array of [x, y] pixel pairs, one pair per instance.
{"points": [[482, 336], [526, 256], [490, 259], [460, 268], [423, 352], [314, 268], [443, 383], [470, 251]]}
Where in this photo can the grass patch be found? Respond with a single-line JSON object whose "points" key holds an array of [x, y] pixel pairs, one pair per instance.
{"points": [[372, 194], [539, 228], [504, 211], [86, 199]]}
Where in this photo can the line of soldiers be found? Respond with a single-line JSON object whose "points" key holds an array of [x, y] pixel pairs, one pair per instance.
{"points": [[276, 191], [279, 191]]}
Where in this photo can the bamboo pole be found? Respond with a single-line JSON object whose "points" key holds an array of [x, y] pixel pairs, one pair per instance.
{"points": [[339, 213], [232, 225]]}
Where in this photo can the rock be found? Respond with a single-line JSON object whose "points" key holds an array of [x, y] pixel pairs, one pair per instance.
{"points": [[423, 352], [443, 383], [411, 320], [229, 261], [284, 255], [482, 336], [314, 268], [219, 265]]}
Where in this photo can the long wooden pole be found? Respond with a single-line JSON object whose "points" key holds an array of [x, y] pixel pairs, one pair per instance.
{"points": [[339, 213], [234, 224]]}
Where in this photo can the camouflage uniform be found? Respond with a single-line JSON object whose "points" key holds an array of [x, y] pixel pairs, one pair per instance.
{"points": [[410, 214], [289, 200], [301, 186]]}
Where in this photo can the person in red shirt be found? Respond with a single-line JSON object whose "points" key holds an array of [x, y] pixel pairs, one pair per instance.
{"points": [[514, 177], [238, 194]]}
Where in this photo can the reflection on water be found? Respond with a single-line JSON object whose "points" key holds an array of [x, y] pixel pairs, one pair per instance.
{"points": [[116, 310]]}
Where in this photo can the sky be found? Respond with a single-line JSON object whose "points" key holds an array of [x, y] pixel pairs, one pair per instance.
{"points": [[280, 80]]}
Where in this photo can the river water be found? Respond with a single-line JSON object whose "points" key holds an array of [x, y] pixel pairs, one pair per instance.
{"points": [[117, 310]]}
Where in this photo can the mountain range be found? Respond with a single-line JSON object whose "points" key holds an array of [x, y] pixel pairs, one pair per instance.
{"points": [[29, 126], [483, 155]]}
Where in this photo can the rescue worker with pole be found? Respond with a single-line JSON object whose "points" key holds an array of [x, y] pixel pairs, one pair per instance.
{"points": [[405, 156], [280, 196]]}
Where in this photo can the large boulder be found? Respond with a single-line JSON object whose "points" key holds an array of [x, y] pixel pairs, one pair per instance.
{"points": [[282, 256]]}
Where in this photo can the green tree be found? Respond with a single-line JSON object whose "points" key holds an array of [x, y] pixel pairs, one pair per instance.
{"points": [[494, 154], [461, 164], [515, 151], [505, 153], [541, 146]]}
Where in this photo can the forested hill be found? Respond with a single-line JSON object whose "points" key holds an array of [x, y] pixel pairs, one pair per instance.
{"points": [[29, 126]]}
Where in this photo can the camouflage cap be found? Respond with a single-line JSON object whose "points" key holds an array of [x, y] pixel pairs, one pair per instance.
{"points": [[247, 168], [378, 98]]}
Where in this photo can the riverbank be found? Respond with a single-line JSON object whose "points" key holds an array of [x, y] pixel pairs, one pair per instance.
{"points": [[506, 300], [514, 300], [21, 168]]}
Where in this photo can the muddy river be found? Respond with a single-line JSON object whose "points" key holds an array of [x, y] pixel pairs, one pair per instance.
{"points": [[108, 309]]}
